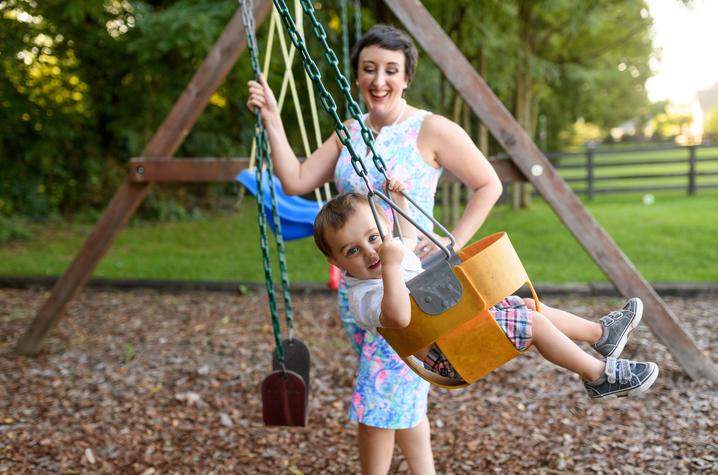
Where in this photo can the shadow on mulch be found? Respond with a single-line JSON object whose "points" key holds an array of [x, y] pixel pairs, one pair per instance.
{"points": [[148, 382]]}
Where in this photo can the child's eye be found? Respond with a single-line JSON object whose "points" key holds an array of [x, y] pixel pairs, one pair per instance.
{"points": [[351, 251], [373, 237]]}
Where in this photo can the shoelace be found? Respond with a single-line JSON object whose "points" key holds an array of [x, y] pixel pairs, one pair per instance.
{"points": [[622, 368]]}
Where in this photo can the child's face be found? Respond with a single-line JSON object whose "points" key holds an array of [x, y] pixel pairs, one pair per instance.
{"points": [[355, 246]]}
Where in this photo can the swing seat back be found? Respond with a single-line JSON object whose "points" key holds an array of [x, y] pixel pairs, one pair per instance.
{"points": [[296, 360], [466, 333], [284, 399]]}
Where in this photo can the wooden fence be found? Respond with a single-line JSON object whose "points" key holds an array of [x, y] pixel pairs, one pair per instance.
{"points": [[605, 169], [660, 168]]}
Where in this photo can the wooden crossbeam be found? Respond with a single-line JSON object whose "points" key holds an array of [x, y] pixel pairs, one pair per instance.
{"points": [[218, 170], [534, 165], [186, 170], [163, 144]]}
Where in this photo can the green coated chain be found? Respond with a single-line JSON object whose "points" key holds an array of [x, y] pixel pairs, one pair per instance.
{"points": [[264, 157], [326, 98]]}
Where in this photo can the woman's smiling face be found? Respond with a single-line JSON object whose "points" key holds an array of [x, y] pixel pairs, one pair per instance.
{"points": [[381, 78]]}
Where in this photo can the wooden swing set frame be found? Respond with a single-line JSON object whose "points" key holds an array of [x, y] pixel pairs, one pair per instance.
{"points": [[527, 164]]}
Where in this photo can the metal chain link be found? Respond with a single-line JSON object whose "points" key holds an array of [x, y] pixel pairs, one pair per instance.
{"points": [[330, 106], [263, 155], [325, 97], [343, 84]]}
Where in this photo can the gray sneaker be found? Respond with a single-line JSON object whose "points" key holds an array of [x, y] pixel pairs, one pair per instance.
{"points": [[617, 325], [622, 378]]}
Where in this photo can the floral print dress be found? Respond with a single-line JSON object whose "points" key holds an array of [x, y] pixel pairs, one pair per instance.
{"points": [[387, 393]]}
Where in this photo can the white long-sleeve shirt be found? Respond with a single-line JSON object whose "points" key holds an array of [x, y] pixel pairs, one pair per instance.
{"points": [[365, 295]]}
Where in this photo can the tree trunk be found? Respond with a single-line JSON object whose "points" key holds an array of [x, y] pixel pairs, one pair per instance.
{"points": [[483, 132], [523, 105]]}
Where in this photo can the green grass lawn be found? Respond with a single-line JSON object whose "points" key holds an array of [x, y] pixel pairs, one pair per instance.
{"points": [[670, 240]]}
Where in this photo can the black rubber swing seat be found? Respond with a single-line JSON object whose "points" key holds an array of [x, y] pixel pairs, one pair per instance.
{"points": [[284, 399], [285, 392]]}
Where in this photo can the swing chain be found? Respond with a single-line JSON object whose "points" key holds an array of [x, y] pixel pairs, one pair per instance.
{"points": [[284, 274], [343, 84], [330, 106], [315, 75], [264, 155]]}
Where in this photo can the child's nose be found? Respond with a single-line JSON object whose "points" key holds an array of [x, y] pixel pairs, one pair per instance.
{"points": [[373, 251]]}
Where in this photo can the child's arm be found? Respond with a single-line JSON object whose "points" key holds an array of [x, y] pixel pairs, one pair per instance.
{"points": [[408, 231], [395, 303]]}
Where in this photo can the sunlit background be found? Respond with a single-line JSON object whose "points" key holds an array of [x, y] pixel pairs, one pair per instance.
{"points": [[686, 38]]}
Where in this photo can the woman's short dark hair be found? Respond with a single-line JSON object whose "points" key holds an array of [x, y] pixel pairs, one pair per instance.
{"points": [[393, 39]]}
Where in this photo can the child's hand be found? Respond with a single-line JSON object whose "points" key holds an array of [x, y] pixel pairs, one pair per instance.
{"points": [[394, 189], [391, 253], [395, 186]]}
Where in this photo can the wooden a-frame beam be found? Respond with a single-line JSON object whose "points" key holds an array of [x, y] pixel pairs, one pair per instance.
{"points": [[127, 199], [534, 165], [218, 170]]}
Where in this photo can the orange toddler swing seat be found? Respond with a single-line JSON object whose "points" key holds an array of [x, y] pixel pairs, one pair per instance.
{"points": [[460, 324]]}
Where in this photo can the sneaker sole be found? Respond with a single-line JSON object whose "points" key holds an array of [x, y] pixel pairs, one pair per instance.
{"points": [[624, 338], [645, 386]]}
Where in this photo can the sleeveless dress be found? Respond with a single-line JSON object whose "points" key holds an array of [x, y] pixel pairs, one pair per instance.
{"points": [[387, 394]]}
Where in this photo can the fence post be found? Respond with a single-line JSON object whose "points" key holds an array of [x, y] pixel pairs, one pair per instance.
{"points": [[590, 148], [692, 162]]}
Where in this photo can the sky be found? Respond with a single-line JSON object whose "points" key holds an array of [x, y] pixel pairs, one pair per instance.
{"points": [[688, 37]]}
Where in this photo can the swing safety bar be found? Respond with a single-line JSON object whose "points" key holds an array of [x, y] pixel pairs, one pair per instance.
{"points": [[445, 249]]}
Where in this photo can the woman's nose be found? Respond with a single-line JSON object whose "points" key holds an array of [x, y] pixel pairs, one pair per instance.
{"points": [[379, 78]]}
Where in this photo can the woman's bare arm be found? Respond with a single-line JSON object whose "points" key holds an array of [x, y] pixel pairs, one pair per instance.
{"points": [[297, 177], [453, 149]]}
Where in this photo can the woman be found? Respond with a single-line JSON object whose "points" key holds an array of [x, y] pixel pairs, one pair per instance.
{"points": [[389, 399]]}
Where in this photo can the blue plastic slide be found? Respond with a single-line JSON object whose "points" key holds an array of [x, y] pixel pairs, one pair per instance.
{"points": [[296, 214]]}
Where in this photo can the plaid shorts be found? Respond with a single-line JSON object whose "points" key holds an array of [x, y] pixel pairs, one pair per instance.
{"points": [[514, 318], [436, 362]]}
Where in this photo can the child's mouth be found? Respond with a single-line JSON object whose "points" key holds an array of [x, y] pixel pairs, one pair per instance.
{"points": [[375, 265]]}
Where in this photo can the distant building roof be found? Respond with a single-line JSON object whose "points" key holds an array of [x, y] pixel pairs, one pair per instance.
{"points": [[708, 98], [678, 109]]}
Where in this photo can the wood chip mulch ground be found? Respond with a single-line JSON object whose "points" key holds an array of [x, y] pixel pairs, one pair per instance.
{"points": [[146, 382]]}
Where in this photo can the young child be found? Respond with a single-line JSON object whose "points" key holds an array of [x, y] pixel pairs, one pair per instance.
{"points": [[376, 270]]}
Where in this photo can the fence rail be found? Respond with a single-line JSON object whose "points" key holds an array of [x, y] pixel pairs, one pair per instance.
{"points": [[601, 170], [594, 170]]}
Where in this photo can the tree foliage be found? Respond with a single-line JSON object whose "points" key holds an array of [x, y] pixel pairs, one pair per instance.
{"points": [[85, 84]]}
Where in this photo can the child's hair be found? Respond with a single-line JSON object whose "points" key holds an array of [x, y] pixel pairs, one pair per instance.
{"points": [[334, 215]]}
